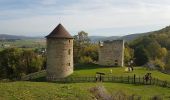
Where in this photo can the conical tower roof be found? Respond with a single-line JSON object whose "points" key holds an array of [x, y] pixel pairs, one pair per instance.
{"points": [[59, 32]]}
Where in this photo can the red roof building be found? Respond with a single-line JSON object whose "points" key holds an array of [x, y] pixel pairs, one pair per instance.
{"points": [[60, 32]]}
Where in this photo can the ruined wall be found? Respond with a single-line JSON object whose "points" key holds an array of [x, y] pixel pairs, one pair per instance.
{"points": [[59, 58], [111, 53]]}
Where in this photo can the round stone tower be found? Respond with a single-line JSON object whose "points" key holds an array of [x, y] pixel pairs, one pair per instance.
{"points": [[59, 53]]}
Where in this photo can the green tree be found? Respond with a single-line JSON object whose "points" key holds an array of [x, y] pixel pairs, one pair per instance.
{"points": [[83, 49], [141, 56], [128, 54], [16, 62], [153, 48], [167, 64]]}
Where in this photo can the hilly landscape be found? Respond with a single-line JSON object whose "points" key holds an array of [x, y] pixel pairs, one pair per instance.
{"points": [[26, 78], [92, 38], [129, 37]]}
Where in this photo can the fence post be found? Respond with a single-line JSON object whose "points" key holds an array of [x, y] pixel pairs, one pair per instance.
{"points": [[150, 81], [113, 78], [134, 78]]}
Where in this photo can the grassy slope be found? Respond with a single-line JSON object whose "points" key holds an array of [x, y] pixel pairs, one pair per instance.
{"points": [[41, 91], [90, 70], [73, 91], [77, 91]]}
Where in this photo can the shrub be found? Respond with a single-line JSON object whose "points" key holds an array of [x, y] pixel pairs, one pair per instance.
{"points": [[86, 60], [159, 64], [156, 97]]}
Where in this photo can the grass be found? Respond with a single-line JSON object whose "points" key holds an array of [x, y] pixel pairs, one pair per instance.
{"points": [[25, 90], [90, 70], [41, 91], [72, 91]]}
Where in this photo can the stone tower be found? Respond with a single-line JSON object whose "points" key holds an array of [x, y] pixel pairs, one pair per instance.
{"points": [[111, 53], [59, 53]]}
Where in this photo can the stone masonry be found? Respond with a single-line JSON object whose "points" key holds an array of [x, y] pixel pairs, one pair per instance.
{"points": [[111, 53], [59, 53]]}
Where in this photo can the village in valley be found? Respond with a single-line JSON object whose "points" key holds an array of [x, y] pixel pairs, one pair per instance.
{"points": [[66, 65]]}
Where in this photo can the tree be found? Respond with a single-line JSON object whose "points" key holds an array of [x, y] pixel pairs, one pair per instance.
{"points": [[128, 54], [141, 56], [167, 64], [16, 62], [153, 48], [83, 37]]}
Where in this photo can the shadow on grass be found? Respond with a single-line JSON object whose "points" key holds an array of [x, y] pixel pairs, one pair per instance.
{"points": [[89, 66]]}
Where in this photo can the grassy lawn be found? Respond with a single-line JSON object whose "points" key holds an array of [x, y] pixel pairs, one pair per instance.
{"points": [[25, 90], [90, 70], [72, 91]]}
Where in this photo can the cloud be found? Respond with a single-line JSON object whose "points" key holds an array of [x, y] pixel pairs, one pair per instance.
{"points": [[98, 17]]}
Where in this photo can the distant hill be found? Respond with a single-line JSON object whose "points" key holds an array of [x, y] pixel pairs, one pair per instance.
{"points": [[161, 36], [165, 30], [130, 37], [102, 38], [16, 37], [158, 33]]}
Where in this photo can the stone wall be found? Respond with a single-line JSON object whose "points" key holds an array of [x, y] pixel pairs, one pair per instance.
{"points": [[59, 58], [111, 53]]}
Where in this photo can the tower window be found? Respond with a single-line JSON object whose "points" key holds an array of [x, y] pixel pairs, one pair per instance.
{"points": [[69, 41], [68, 64], [69, 51], [116, 62]]}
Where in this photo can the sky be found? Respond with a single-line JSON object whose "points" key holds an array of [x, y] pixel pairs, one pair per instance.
{"points": [[96, 17]]}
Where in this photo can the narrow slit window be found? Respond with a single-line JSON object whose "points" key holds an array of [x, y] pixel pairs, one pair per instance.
{"points": [[69, 51]]}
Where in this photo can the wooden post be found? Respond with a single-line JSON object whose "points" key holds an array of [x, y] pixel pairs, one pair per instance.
{"points": [[128, 79], [134, 78]]}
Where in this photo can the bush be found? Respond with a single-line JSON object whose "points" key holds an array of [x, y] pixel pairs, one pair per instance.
{"points": [[156, 97], [159, 64], [86, 60]]}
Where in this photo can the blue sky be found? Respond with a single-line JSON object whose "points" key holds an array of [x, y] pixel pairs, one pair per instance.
{"points": [[97, 17]]}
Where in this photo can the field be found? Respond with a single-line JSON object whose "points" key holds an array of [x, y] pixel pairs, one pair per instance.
{"points": [[72, 91], [90, 70], [27, 90], [23, 43]]}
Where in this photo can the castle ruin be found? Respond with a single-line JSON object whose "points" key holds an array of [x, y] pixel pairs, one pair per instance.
{"points": [[59, 53], [111, 53]]}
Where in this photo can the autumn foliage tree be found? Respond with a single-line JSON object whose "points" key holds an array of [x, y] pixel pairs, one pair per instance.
{"points": [[15, 62]]}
